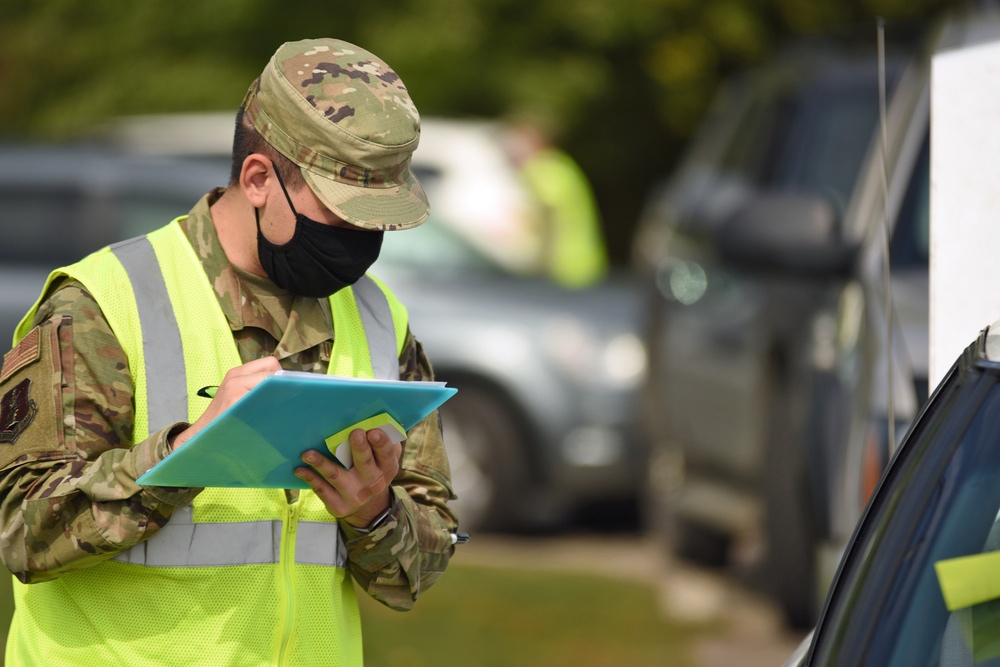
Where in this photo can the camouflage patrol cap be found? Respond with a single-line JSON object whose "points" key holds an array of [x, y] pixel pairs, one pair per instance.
{"points": [[344, 117]]}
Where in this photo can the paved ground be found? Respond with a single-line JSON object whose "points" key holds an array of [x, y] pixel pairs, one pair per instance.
{"points": [[755, 635]]}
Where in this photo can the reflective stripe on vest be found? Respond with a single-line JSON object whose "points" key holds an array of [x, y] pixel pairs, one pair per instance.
{"points": [[182, 542], [161, 337], [373, 306]]}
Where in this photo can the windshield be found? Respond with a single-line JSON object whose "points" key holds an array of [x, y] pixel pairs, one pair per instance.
{"points": [[822, 139], [921, 583], [798, 134]]}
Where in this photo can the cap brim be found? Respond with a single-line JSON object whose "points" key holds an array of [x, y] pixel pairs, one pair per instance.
{"points": [[383, 209]]}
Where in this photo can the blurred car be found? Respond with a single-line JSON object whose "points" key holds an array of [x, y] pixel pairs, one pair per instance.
{"points": [[727, 396], [917, 584], [862, 389]]}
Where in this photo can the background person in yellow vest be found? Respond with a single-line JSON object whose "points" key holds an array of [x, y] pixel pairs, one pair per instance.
{"points": [[112, 573], [571, 243]]}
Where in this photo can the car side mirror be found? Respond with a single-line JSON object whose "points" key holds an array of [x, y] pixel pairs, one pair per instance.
{"points": [[791, 233]]}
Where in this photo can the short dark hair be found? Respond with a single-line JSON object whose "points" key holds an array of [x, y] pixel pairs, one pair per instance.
{"points": [[246, 141]]}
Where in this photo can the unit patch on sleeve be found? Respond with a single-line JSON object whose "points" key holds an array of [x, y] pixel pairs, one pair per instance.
{"points": [[16, 411], [23, 354]]}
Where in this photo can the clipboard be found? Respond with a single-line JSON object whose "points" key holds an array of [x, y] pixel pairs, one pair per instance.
{"points": [[258, 441]]}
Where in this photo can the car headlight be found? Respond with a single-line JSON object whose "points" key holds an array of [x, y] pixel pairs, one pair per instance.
{"points": [[617, 361]]}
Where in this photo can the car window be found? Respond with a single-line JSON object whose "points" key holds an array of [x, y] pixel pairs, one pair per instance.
{"points": [[807, 136], [745, 157], [60, 202], [910, 247], [939, 502], [822, 143], [52, 225]]}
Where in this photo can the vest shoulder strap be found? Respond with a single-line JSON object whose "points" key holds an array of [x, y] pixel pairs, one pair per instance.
{"points": [[370, 331]]}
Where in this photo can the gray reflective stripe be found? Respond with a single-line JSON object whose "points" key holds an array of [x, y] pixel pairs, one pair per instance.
{"points": [[183, 543], [166, 383], [376, 316], [318, 543]]}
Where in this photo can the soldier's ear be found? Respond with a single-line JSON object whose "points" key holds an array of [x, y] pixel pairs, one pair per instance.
{"points": [[254, 176]]}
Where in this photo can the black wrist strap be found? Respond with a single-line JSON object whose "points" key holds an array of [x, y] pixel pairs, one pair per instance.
{"points": [[380, 519]]}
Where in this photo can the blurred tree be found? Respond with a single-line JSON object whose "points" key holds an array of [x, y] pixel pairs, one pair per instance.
{"points": [[620, 85]]}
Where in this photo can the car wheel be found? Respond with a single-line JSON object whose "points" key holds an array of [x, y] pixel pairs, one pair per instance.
{"points": [[483, 441], [791, 561]]}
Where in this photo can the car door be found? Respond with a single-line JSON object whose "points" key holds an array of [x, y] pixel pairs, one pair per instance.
{"points": [[936, 506]]}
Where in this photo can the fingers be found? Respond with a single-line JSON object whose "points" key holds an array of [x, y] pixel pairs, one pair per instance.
{"points": [[332, 484], [241, 379], [236, 383], [250, 374], [376, 458], [361, 493], [343, 492], [268, 363]]}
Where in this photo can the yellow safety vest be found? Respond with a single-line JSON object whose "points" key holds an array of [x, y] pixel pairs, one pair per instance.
{"points": [[242, 577]]}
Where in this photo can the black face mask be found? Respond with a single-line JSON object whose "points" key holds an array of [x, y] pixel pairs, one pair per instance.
{"points": [[319, 259]]}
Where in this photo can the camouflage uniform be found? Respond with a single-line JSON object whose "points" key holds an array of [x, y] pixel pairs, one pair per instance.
{"points": [[68, 496]]}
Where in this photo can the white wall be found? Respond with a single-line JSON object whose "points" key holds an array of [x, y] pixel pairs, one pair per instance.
{"points": [[965, 200]]}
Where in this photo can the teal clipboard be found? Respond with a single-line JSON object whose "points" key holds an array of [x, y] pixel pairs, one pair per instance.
{"points": [[259, 440]]}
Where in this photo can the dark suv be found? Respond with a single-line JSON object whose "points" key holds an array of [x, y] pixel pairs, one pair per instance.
{"points": [[728, 398]]}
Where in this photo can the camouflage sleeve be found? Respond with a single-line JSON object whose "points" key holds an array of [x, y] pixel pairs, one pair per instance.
{"points": [[68, 497], [409, 551]]}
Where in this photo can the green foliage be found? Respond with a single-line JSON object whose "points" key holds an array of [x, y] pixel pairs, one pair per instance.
{"points": [[620, 84]]}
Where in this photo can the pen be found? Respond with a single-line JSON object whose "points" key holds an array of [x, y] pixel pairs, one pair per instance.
{"points": [[209, 391]]}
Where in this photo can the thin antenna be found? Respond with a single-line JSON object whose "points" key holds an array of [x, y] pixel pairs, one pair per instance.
{"points": [[886, 279]]}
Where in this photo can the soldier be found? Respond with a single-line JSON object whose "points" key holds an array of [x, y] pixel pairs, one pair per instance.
{"points": [[566, 218], [265, 274]]}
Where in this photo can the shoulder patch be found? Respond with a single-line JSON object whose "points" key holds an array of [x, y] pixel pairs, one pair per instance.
{"points": [[25, 352], [16, 411]]}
